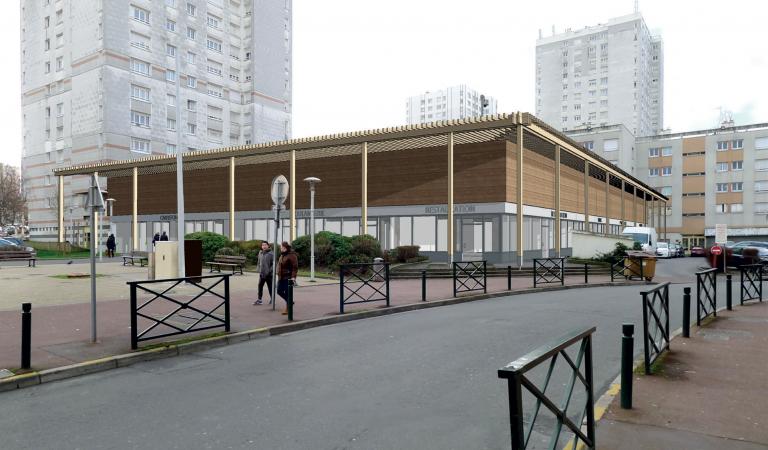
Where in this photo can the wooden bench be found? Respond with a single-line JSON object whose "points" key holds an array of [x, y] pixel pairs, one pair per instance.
{"points": [[235, 262], [141, 257], [21, 255]]}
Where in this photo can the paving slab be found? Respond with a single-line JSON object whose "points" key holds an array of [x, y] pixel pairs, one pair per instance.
{"points": [[712, 391]]}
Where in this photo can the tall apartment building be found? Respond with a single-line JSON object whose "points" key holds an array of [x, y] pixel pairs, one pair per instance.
{"points": [[611, 73], [121, 79], [453, 103]]}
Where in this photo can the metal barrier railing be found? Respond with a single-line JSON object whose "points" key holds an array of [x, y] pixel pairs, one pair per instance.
{"points": [[548, 271], [178, 309], [706, 294], [469, 276], [626, 269], [751, 282], [515, 374], [363, 283], [655, 324]]}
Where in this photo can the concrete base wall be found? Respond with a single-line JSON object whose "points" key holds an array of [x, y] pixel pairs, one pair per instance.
{"points": [[588, 245]]}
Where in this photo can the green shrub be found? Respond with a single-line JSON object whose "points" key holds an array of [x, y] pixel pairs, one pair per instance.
{"points": [[226, 251], [619, 251], [243, 247], [212, 242], [332, 249], [406, 252]]}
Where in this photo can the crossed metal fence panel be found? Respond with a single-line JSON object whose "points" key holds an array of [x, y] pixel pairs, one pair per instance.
{"points": [[469, 276], [373, 279], [655, 324], [706, 294], [174, 318], [548, 271], [621, 268], [515, 374], [751, 282]]}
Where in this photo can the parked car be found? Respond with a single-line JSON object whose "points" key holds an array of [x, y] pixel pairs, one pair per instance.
{"points": [[676, 250], [662, 250], [14, 240], [6, 243], [747, 252], [698, 251]]}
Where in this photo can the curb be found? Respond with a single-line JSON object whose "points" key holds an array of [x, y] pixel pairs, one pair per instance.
{"points": [[127, 359]]}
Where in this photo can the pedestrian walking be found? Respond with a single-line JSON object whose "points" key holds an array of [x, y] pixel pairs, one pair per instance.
{"points": [[155, 238], [264, 266], [164, 236], [287, 269], [111, 246]]}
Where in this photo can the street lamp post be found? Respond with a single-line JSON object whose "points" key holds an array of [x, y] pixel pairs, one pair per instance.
{"points": [[312, 182]]}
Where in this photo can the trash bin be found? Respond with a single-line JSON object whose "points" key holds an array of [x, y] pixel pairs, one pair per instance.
{"points": [[638, 263], [378, 268]]}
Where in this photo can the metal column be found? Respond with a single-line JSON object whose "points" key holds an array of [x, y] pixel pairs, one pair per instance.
{"points": [[450, 198]]}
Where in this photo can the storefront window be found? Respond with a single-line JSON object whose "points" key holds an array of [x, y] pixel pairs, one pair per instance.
{"points": [[442, 234], [424, 233], [351, 227], [403, 231]]}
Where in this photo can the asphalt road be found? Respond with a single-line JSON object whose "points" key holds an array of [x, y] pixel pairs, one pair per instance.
{"points": [[420, 380]]}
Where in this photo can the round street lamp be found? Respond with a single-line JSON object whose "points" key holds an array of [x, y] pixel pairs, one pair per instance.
{"points": [[312, 182]]}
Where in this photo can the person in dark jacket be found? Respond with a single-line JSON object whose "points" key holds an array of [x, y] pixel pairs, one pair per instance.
{"points": [[111, 246], [287, 269], [155, 238], [264, 265], [164, 236]]}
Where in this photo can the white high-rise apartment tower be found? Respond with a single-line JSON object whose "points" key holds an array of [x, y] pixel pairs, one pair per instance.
{"points": [[611, 73], [104, 79], [455, 102]]}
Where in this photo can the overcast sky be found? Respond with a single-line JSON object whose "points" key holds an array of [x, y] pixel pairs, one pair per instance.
{"points": [[356, 61]]}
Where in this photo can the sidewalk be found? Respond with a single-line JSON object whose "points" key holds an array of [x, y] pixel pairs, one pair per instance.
{"points": [[712, 392], [61, 325]]}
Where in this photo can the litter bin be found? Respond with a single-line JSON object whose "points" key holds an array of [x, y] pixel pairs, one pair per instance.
{"points": [[378, 268], [640, 263]]}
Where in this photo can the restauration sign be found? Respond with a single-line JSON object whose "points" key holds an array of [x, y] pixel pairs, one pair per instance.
{"points": [[721, 233]]}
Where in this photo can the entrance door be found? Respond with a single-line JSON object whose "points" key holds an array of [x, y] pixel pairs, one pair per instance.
{"points": [[471, 239], [545, 239]]}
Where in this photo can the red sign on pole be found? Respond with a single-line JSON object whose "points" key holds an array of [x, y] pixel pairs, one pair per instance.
{"points": [[716, 250]]}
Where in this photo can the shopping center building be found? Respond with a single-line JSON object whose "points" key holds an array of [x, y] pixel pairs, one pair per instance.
{"points": [[454, 188]]}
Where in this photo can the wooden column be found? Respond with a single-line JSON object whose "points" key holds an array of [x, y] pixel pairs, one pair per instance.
{"points": [[364, 190], [634, 205], [450, 198], [60, 213], [586, 196], [519, 210], [558, 232], [232, 198], [292, 195], [135, 210], [623, 213], [607, 202]]}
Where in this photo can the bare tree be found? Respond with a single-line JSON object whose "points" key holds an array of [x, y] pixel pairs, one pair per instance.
{"points": [[13, 202]]}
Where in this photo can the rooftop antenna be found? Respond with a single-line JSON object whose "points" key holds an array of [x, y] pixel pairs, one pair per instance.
{"points": [[637, 6], [539, 33], [553, 29]]}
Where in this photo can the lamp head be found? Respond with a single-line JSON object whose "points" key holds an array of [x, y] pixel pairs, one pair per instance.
{"points": [[312, 180]]}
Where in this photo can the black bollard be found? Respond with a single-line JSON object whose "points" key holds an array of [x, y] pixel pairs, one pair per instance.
{"points": [[729, 292], [686, 312], [586, 273], [423, 285], [509, 278], [627, 350], [26, 335], [290, 301]]}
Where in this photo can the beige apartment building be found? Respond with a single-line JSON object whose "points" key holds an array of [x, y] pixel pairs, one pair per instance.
{"points": [[714, 176]]}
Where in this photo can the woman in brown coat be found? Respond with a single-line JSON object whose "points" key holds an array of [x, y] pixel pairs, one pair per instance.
{"points": [[287, 269]]}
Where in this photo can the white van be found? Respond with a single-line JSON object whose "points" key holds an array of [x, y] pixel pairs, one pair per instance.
{"points": [[646, 236]]}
